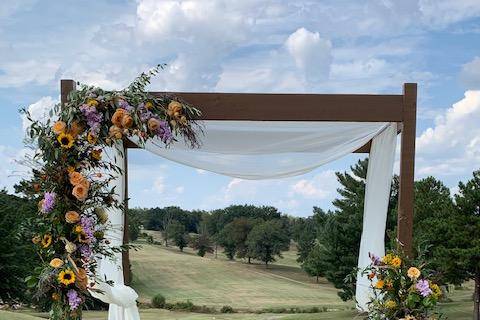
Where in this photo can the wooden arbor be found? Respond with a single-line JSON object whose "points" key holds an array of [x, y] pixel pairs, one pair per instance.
{"points": [[400, 108]]}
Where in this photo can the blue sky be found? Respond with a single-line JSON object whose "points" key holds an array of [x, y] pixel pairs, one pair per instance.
{"points": [[249, 46]]}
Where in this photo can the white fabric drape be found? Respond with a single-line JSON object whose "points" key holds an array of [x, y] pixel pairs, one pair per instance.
{"points": [[264, 150], [377, 196], [121, 298], [268, 149]]}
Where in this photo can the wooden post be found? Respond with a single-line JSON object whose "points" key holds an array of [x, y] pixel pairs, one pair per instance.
{"points": [[66, 86], [125, 254], [407, 169]]}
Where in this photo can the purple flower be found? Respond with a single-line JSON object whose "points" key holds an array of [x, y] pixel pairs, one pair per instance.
{"points": [[88, 224], [164, 132], [423, 287], [124, 105], [145, 114], [74, 299], [86, 251], [94, 118], [375, 259], [48, 202]]}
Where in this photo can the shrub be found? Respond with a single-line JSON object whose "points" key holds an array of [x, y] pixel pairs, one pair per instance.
{"points": [[150, 239], [227, 309], [158, 301]]}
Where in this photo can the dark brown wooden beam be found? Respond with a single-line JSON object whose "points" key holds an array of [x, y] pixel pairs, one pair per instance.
{"points": [[66, 86], [295, 107], [407, 168]]}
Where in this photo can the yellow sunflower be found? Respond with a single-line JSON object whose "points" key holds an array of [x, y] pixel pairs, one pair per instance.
{"points": [[66, 140], [66, 277], [46, 240]]}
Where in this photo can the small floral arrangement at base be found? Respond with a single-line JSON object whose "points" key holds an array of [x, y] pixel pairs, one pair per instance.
{"points": [[403, 290]]}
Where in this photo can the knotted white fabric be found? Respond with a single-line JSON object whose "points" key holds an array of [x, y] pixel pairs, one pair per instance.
{"points": [[121, 298], [265, 150]]}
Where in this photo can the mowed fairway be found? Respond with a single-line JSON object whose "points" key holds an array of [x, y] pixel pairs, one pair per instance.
{"points": [[217, 282]]}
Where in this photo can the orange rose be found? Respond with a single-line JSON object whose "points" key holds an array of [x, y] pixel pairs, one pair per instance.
{"points": [[118, 116], [59, 127], [80, 192], [115, 132], [174, 109], [72, 217], [75, 129], [76, 178], [153, 124], [127, 121]]}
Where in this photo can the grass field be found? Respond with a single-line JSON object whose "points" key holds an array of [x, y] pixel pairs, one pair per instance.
{"points": [[217, 282]]}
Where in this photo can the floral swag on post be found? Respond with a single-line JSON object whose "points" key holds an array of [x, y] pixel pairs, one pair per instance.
{"points": [[71, 181]]}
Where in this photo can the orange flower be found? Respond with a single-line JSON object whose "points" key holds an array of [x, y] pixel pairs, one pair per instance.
{"points": [[70, 169], [75, 129], [46, 240], [36, 239], [379, 284], [76, 178], [149, 105], [59, 127], [91, 138], [80, 192], [118, 116], [127, 121], [56, 263], [413, 273], [174, 109], [72, 217], [371, 275], [153, 124], [115, 132]]}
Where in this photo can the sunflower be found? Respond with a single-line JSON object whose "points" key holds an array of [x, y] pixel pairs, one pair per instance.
{"points": [[66, 277], [46, 240], [65, 140]]}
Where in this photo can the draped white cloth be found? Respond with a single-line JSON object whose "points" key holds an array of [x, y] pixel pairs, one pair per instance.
{"points": [[265, 150]]}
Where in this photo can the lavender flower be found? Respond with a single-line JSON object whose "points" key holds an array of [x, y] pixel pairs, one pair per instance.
{"points": [[48, 202], [88, 224], [423, 287], [124, 105], [375, 259], [145, 114], [164, 132], [94, 118], [86, 251], [74, 299]]}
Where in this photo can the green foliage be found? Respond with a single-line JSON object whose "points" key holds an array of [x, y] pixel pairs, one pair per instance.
{"points": [[177, 233], [17, 255], [202, 242], [314, 264], [134, 225], [233, 237], [306, 237], [227, 309], [158, 301], [267, 240]]}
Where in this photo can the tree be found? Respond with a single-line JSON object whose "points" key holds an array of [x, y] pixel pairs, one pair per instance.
{"points": [[17, 256], [464, 257], [306, 238], [313, 263], [176, 232], [202, 241], [134, 224], [233, 238], [267, 240]]}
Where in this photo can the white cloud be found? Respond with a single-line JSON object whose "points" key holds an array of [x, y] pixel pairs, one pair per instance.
{"points": [[311, 53], [321, 186], [470, 74], [452, 145], [180, 189], [39, 111], [19, 73], [440, 13], [159, 185]]}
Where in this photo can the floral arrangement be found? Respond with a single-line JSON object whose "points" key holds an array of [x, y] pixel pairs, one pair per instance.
{"points": [[70, 181], [402, 289]]}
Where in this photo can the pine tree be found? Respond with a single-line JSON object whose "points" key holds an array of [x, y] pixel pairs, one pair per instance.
{"points": [[314, 263]]}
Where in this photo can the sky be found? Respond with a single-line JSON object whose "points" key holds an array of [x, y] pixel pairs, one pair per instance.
{"points": [[371, 46]]}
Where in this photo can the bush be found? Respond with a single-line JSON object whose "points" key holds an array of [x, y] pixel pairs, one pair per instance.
{"points": [[227, 309], [158, 301]]}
